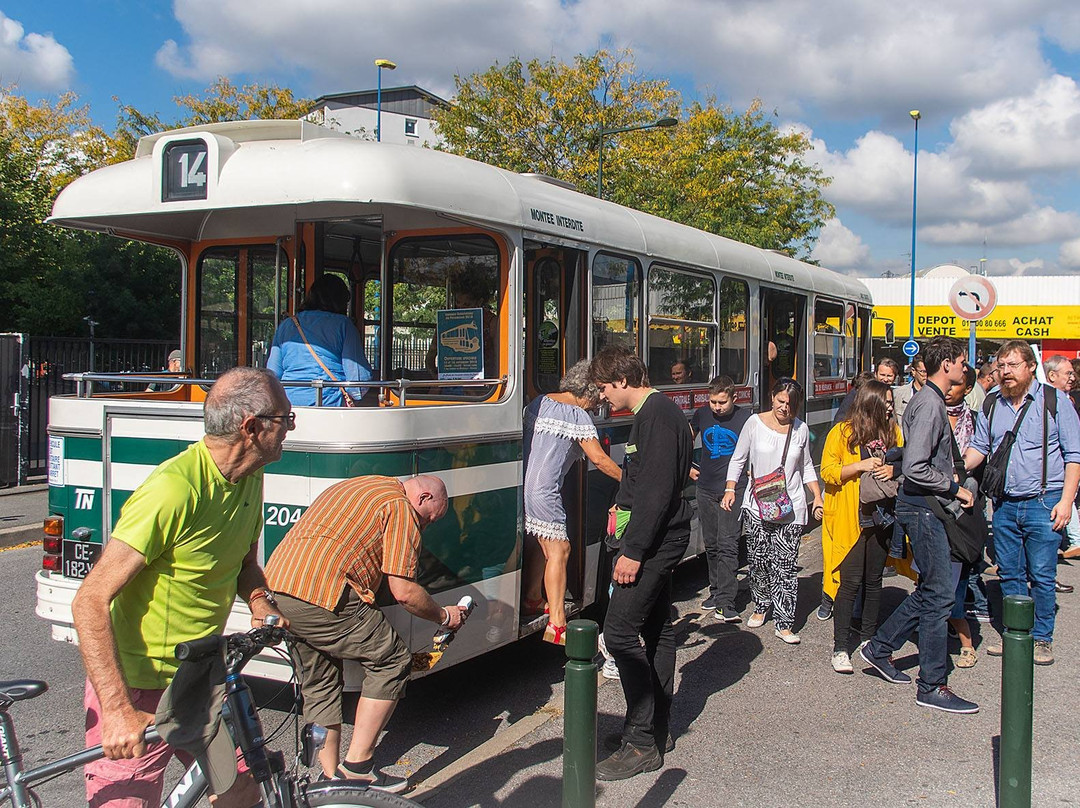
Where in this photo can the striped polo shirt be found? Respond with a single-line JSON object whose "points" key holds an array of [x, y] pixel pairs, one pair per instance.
{"points": [[353, 533]]}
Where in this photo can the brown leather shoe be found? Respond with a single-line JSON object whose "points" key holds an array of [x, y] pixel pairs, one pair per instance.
{"points": [[1063, 589]]}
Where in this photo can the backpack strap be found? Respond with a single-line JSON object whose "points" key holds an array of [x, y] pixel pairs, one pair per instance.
{"points": [[1049, 409]]}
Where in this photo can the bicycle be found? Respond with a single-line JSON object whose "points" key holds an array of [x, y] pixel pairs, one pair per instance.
{"points": [[281, 787]]}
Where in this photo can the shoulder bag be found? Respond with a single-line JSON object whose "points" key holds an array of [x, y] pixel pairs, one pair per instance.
{"points": [[770, 492], [996, 472], [964, 527], [873, 491]]}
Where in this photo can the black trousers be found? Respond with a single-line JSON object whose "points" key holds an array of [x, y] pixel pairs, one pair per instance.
{"points": [[647, 672], [864, 563]]}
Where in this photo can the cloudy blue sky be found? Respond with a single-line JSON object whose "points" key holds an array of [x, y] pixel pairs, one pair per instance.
{"points": [[996, 81]]}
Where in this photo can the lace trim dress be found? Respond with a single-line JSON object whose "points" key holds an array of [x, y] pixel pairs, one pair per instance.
{"points": [[553, 435]]}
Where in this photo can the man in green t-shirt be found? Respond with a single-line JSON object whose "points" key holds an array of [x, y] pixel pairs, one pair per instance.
{"points": [[184, 547]]}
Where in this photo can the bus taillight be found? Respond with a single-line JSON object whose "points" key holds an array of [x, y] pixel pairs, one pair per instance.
{"points": [[53, 545], [51, 563], [54, 526]]}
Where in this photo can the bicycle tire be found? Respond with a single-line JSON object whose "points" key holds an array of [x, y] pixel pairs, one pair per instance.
{"points": [[333, 794]]}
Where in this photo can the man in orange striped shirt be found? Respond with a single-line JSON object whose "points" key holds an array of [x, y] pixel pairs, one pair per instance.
{"points": [[325, 574]]}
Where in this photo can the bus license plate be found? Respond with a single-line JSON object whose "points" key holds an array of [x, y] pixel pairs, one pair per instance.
{"points": [[79, 558]]}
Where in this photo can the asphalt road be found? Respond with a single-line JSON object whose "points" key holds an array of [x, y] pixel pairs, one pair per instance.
{"points": [[756, 722]]}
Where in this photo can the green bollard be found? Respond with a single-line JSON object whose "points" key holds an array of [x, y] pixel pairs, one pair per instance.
{"points": [[579, 716], [1017, 698]]}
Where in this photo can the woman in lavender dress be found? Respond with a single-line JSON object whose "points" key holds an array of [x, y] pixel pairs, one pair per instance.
{"points": [[558, 430]]}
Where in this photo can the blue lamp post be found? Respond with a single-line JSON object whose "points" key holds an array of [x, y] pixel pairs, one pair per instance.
{"points": [[380, 64], [914, 199]]}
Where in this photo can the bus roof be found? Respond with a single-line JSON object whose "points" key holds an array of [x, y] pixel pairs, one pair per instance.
{"points": [[263, 176]]}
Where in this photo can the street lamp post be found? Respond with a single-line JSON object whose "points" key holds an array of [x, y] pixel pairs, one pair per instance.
{"points": [[663, 123], [914, 198], [380, 64]]}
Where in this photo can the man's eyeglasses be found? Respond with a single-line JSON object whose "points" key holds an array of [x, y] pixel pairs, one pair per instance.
{"points": [[289, 418], [1012, 365]]}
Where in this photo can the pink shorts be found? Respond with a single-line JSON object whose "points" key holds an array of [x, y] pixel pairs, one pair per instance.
{"points": [[133, 783]]}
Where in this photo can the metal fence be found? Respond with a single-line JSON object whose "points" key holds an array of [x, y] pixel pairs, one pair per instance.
{"points": [[52, 357], [49, 358]]}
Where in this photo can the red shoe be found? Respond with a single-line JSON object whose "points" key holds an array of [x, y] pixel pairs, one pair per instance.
{"points": [[555, 634]]}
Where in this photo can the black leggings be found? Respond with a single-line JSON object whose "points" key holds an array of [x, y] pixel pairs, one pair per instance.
{"points": [[864, 563]]}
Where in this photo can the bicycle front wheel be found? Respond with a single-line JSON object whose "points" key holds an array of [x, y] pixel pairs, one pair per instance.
{"points": [[334, 794]]}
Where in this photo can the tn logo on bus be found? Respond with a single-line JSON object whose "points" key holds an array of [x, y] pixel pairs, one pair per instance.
{"points": [[84, 499]]}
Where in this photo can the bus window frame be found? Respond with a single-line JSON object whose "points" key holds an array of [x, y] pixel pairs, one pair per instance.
{"points": [[842, 359], [744, 379], [498, 392], [649, 319], [242, 291], [639, 305]]}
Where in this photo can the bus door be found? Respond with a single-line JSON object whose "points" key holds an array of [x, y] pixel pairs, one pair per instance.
{"points": [[555, 316], [783, 340]]}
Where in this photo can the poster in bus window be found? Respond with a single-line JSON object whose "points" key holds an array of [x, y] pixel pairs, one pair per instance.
{"points": [[460, 343]]}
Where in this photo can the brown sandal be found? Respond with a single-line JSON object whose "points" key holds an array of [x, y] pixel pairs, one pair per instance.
{"points": [[967, 658]]}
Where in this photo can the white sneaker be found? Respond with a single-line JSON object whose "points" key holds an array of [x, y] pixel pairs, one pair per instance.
{"points": [[603, 648], [841, 662], [610, 670], [788, 636], [757, 620]]}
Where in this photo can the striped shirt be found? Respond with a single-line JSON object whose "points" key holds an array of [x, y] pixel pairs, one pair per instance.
{"points": [[353, 533]]}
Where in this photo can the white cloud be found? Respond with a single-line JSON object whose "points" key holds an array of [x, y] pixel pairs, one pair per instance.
{"points": [[839, 248], [848, 57], [1018, 267], [1069, 254], [33, 60], [1034, 132], [875, 176], [1039, 226]]}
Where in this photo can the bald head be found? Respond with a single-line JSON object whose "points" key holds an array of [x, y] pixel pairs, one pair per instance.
{"points": [[427, 495]]}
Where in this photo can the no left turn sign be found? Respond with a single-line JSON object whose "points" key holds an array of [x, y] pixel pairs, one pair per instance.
{"points": [[973, 297]]}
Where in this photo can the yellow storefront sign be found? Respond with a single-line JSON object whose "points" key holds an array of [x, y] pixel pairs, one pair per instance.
{"points": [[1004, 322]]}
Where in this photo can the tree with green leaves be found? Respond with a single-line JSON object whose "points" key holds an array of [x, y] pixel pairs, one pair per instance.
{"points": [[733, 174]]}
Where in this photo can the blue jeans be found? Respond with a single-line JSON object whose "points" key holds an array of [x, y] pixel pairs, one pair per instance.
{"points": [[928, 607], [1026, 545]]}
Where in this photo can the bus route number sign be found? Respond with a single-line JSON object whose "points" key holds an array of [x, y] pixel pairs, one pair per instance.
{"points": [[184, 167]]}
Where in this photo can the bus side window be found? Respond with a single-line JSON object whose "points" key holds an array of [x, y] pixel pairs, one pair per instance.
{"points": [[682, 326], [828, 339], [734, 336], [616, 299], [442, 272]]}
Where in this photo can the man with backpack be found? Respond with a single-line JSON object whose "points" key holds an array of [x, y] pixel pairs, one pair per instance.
{"points": [[1031, 434]]}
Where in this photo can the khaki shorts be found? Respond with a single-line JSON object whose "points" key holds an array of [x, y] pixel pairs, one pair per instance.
{"points": [[353, 631]]}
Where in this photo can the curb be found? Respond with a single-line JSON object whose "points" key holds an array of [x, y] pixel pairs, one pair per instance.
{"points": [[14, 536], [24, 489]]}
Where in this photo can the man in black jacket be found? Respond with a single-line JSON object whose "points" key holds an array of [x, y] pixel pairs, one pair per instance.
{"points": [[651, 543]]}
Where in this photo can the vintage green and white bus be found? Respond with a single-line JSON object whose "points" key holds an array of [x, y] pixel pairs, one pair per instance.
{"points": [[541, 276]]}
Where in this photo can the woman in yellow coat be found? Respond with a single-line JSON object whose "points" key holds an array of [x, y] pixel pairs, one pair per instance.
{"points": [[855, 549]]}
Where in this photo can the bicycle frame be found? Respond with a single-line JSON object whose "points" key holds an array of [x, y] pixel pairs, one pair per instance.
{"points": [[20, 781], [280, 787]]}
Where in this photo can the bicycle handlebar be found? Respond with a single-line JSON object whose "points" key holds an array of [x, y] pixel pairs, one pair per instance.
{"points": [[247, 643]]}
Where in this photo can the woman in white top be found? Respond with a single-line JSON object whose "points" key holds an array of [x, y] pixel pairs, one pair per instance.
{"points": [[769, 440]]}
